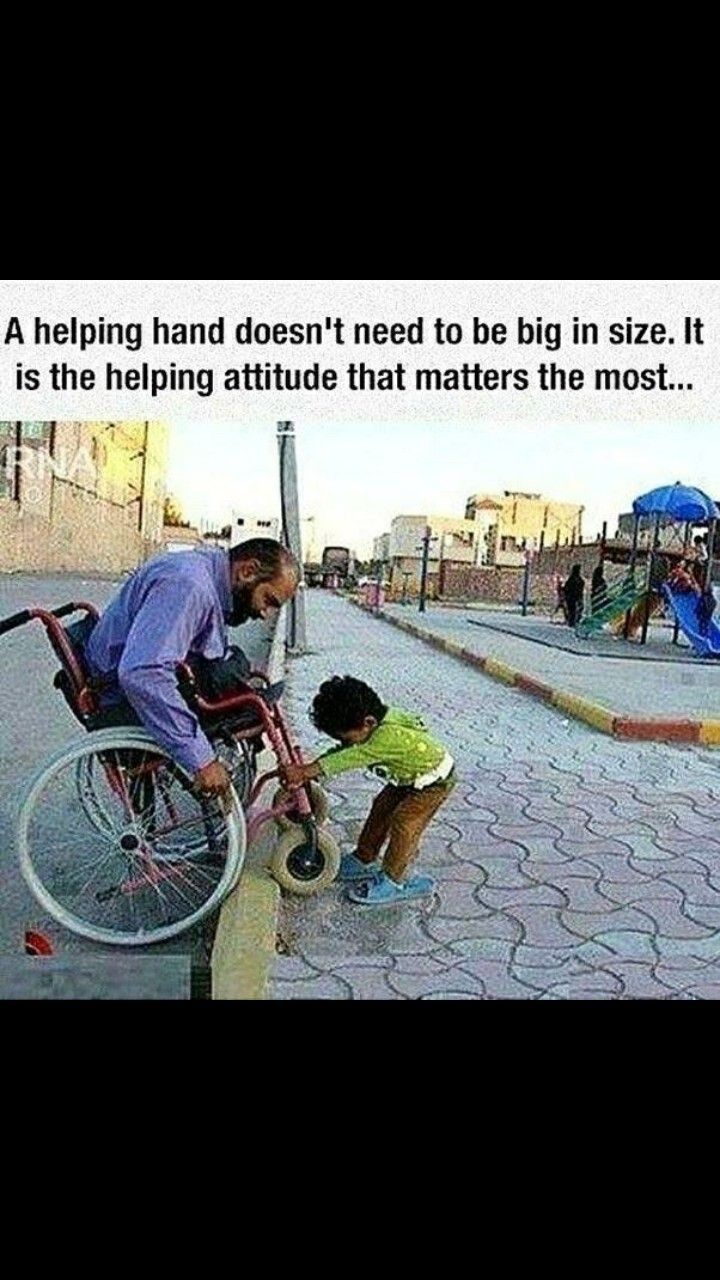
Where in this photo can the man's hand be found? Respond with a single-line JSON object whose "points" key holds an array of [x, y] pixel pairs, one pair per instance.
{"points": [[214, 780]]}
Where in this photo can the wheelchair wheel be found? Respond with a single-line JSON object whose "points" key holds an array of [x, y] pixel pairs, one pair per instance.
{"points": [[318, 804], [138, 856], [300, 868], [92, 790]]}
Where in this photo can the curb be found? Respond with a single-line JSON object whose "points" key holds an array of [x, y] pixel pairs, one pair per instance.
{"points": [[615, 724], [244, 944]]}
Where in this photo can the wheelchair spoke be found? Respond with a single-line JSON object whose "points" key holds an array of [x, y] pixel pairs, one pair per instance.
{"points": [[118, 846]]}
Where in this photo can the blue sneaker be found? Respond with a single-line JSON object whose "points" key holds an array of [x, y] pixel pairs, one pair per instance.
{"points": [[383, 892], [351, 868]]}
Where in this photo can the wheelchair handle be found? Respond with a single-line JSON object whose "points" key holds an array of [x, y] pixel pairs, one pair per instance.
{"points": [[65, 609], [15, 620], [27, 615]]}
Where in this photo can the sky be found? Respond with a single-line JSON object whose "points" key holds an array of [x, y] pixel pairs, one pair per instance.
{"points": [[354, 478]]}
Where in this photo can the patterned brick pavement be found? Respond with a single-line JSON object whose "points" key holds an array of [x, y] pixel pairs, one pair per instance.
{"points": [[569, 865]]}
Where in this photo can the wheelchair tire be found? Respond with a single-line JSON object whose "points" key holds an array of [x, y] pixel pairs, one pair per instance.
{"points": [[318, 803], [297, 869], [146, 859]]}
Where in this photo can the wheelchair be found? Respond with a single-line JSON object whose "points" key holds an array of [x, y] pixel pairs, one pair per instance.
{"points": [[114, 839]]}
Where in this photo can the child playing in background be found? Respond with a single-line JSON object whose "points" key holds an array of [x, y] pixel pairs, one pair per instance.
{"points": [[683, 579], [419, 775]]}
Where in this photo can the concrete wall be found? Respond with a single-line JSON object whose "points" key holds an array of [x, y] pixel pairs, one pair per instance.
{"points": [[95, 506], [504, 586]]}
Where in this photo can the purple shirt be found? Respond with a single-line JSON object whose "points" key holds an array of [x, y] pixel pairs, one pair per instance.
{"points": [[172, 606]]}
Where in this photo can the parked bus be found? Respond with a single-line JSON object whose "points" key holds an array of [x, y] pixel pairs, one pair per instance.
{"points": [[336, 566]]}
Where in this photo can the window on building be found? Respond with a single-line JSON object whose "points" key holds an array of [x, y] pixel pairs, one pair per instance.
{"points": [[10, 460], [36, 432]]}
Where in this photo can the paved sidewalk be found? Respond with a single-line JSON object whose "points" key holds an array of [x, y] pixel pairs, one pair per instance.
{"points": [[623, 695], [570, 865]]}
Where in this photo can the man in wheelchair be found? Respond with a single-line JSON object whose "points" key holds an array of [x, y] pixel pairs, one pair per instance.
{"points": [[173, 612]]}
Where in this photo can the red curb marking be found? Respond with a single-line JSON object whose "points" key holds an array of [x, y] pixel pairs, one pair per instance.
{"points": [[623, 727], [475, 659], [535, 687], [658, 730]]}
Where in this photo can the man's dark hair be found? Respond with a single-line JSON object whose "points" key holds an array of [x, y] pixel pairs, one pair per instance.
{"points": [[342, 703], [272, 557]]}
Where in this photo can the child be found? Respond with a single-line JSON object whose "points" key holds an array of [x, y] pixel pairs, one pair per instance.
{"points": [[419, 773], [681, 578]]}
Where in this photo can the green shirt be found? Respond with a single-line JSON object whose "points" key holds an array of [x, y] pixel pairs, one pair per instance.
{"points": [[399, 750]]}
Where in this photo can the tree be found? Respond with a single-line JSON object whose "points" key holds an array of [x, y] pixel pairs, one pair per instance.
{"points": [[173, 515]]}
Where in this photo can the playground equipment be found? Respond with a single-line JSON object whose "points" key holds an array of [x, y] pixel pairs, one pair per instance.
{"points": [[685, 507], [684, 604], [674, 511], [614, 603]]}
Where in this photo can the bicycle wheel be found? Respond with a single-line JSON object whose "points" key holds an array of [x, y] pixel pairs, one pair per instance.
{"points": [[137, 860]]}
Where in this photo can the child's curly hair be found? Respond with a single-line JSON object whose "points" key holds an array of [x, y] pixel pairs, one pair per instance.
{"points": [[342, 703]]}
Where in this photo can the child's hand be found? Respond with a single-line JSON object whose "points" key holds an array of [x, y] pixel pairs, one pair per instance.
{"points": [[293, 775]]}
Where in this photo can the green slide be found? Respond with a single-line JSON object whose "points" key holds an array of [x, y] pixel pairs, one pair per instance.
{"points": [[616, 601]]}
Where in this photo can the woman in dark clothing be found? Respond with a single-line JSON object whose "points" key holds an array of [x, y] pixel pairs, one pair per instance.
{"points": [[574, 591]]}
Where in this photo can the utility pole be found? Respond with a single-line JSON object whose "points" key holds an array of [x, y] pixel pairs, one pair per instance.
{"points": [[142, 505], [379, 578], [425, 544], [295, 635], [526, 582]]}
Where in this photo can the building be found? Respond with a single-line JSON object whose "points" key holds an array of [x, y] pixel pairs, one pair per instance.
{"points": [[452, 540], [178, 537], [381, 548], [510, 523], [81, 496], [245, 526]]}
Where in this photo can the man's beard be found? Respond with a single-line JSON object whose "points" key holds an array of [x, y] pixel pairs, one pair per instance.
{"points": [[242, 608]]}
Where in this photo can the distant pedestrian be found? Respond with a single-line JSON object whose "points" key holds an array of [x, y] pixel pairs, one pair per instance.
{"points": [[560, 605], [699, 560], [574, 592]]}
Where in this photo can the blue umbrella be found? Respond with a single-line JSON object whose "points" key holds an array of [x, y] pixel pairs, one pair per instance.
{"points": [[679, 501]]}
